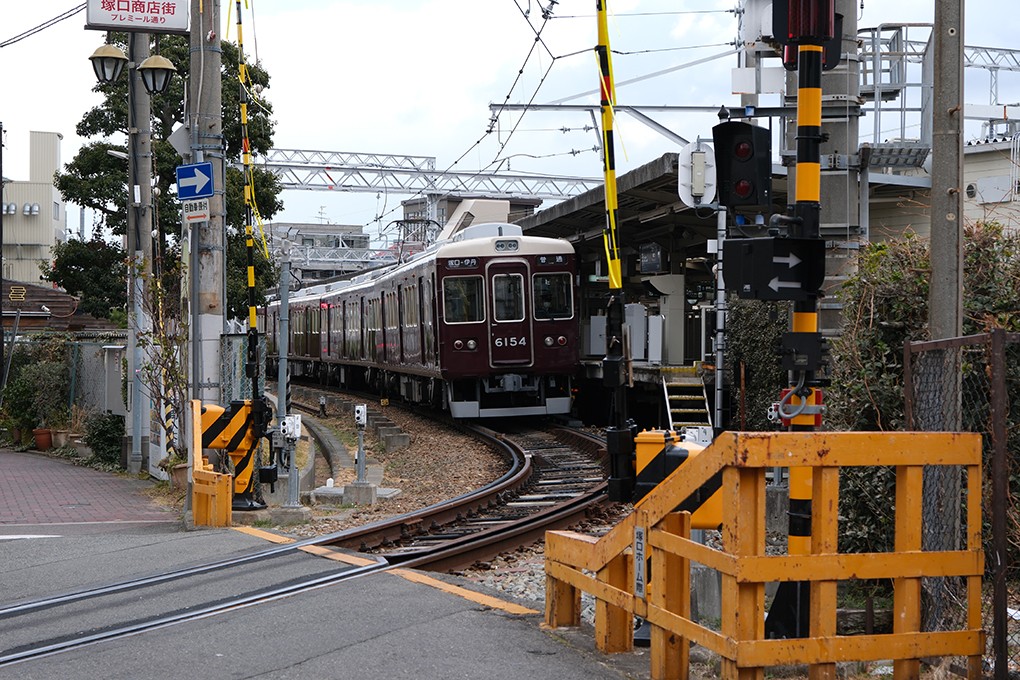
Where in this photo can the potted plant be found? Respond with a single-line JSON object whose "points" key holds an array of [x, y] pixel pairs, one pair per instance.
{"points": [[59, 422], [48, 380], [176, 467]]}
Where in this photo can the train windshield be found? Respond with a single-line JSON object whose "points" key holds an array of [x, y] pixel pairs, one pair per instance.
{"points": [[553, 296], [462, 299], [508, 297]]}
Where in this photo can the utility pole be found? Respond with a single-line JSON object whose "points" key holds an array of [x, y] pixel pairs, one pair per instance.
{"points": [[946, 301], [139, 240], [208, 248], [942, 488]]}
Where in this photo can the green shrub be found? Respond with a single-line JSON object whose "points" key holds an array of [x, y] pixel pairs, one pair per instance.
{"points": [[19, 403], [104, 433]]}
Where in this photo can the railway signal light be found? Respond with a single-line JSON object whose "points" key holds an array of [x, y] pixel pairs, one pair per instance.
{"points": [[743, 158]]}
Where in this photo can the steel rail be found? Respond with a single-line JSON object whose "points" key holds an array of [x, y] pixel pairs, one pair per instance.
{"points": [[467, 550], [387, 529], [57, 647], [446, 555]]}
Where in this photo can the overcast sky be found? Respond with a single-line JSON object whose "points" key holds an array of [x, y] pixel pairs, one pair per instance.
{"points": [[416, 77]]}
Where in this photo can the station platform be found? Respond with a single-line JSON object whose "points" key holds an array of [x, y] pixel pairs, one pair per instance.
{"points": [[65, 528]]}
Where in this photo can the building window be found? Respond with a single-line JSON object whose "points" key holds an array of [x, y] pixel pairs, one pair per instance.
{"points": [[56, 211]]}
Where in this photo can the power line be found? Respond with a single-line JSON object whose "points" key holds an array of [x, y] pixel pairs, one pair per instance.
{"points": [[671, 49], [43, 26], [648, 14], [526, 13]]}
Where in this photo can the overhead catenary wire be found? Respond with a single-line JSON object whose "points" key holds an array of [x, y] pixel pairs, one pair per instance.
{"points": [[617, 15], [539, 43], [546, 14]]}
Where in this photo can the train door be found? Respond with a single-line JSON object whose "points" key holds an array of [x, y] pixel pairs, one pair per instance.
{"points": [[426, 329], [508, 318]]}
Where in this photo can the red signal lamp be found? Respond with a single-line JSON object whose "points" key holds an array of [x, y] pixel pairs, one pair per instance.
{"points": [[743, 151]]}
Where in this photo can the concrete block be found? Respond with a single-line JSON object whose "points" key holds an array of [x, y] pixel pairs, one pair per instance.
{"points": [[395, 442], [387, 430], [777, 508], [706, 593], [328, 495], [287, 516], [360, 493], [239, 518]]}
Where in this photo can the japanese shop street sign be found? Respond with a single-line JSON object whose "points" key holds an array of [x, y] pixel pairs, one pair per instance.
{"points": [[151, 16]]}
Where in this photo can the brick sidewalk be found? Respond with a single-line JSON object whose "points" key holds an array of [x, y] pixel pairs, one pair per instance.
{"points": [[36, 489]]}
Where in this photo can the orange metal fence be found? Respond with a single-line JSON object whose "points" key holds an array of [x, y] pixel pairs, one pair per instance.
{"points": [[606, 568]]}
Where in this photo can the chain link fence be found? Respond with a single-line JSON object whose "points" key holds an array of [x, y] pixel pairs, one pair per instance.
{"points": [[97, 374], [972, 384]]}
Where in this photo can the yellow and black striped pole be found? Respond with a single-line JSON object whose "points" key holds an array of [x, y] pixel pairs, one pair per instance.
{"points": [[608, 101], [805, 314], [251, 368], [257, 422], [619, 438], [811, 24]]}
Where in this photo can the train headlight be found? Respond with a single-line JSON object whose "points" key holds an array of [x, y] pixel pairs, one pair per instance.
{"points": [[562, 340], [458, 344], [507, 246], [548, 341], [471, 344]]}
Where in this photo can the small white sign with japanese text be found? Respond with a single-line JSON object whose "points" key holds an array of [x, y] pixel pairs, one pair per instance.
{"points": [[195, 210]]}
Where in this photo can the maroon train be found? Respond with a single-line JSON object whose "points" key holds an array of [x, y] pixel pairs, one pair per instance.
{"points": [[483, 325]]}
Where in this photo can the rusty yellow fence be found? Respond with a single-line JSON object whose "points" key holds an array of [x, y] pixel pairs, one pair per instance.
{"points": [[605, 567], [211, 492]]}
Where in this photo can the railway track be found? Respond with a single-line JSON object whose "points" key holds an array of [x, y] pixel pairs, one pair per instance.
{"points": [[554, 479], [558, 481]]}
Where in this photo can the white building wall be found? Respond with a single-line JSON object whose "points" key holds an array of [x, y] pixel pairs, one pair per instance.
{"points": [[35, 215], [987, 178]]}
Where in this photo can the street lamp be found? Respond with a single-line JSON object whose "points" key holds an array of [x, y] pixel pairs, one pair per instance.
{"points": [[155, 72], [108, 61]]}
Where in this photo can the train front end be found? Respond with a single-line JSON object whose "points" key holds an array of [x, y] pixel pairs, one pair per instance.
{"points": [[508, 328]]}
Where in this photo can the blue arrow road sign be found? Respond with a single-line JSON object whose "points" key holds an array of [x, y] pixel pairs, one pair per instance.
{"points": [[194, 181]]}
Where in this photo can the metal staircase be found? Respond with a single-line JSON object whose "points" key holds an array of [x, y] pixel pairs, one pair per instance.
{"points": [[686, 397]]}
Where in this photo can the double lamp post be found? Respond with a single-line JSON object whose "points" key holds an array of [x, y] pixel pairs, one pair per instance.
{"points": [[154, 72]]}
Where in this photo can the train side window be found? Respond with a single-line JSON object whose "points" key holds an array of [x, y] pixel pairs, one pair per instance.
{"points": [[462, 299], [553, 296]]}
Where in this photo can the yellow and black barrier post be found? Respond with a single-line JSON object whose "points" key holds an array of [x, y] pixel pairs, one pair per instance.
{"points": [[232, 429], [659, 453]]}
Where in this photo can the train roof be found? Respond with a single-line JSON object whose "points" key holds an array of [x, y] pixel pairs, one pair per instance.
{"points": [[469, 242], [485, 237]]}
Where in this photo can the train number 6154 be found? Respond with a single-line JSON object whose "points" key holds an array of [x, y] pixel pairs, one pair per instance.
{"points": [[510, 342]]}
